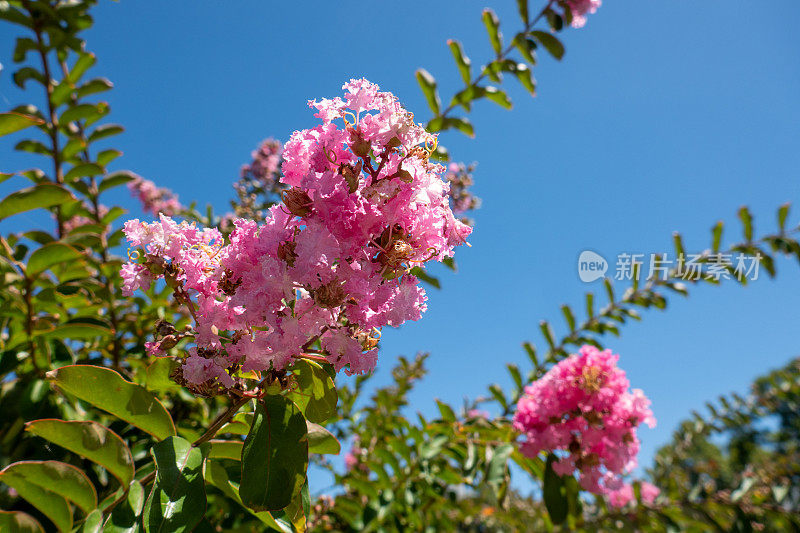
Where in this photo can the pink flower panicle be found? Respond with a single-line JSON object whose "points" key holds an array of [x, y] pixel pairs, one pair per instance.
{"points": [[580, 8], [155, 200], [462, 200], [582, 409], [329, 267], [624, 494], [259, 185]]}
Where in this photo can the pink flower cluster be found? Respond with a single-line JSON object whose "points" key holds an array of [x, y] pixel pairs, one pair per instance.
{"points": [[582, 409], [330, 265], [459, 176], [624, 494], [265, 165], [580, 8], [155, 200]]}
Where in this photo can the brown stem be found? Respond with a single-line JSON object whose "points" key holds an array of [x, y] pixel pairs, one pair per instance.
{"points": [[221, 420], [53, 125]]}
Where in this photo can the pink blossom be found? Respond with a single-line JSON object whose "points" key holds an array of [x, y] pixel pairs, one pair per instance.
{"points": [[154, 200], [331, 264], [583, 407], [624, 494], [579, 10]]}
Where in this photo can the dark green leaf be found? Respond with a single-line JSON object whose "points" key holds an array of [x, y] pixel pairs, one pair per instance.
{"points": [[106, 130], [550, 43], [554, 493], [499, 97], [115, 179], [177, 502], [125, 516], [275, 455]]}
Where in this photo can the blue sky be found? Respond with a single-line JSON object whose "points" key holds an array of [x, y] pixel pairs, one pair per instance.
{"points": [[663, 116]]}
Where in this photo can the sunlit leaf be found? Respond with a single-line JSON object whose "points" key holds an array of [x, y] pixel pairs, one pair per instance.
{"points": [[90, 440], [107, 390]]}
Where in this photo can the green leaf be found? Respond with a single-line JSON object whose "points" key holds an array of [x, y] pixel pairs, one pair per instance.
{"points": [[13, 122], [42, 195], [498, 97], [125, 516], [526, 47], [428, 85], [275, 455], [522, 7], [84, 62], [525, 77], [49, 255], [226, 449], [315, 394], [320, 440], [78, 330], [107, 156], [19, 522], [492, 24], [115, 179], [107, 390], [445, 123], [83, 170], [90, 440], [716, 236], [747, 223], [27, 73], [106, 130], [216, 475], [462, 61], [554, 493], [93, 86], [93, 522], [51, 505], [83, 112], [60, 478], [550, 43], [157, 375], [177, 502]]}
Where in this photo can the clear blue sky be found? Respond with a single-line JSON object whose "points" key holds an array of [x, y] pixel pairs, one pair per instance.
{"points": [[663, 116]]}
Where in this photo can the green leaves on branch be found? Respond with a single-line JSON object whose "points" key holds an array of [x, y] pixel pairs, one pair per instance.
{"points": [[90, 440], [177, 501], [107, 390], [275, 455]]}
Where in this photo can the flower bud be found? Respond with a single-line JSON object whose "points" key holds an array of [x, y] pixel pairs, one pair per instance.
{"points": [[297, 201]]}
